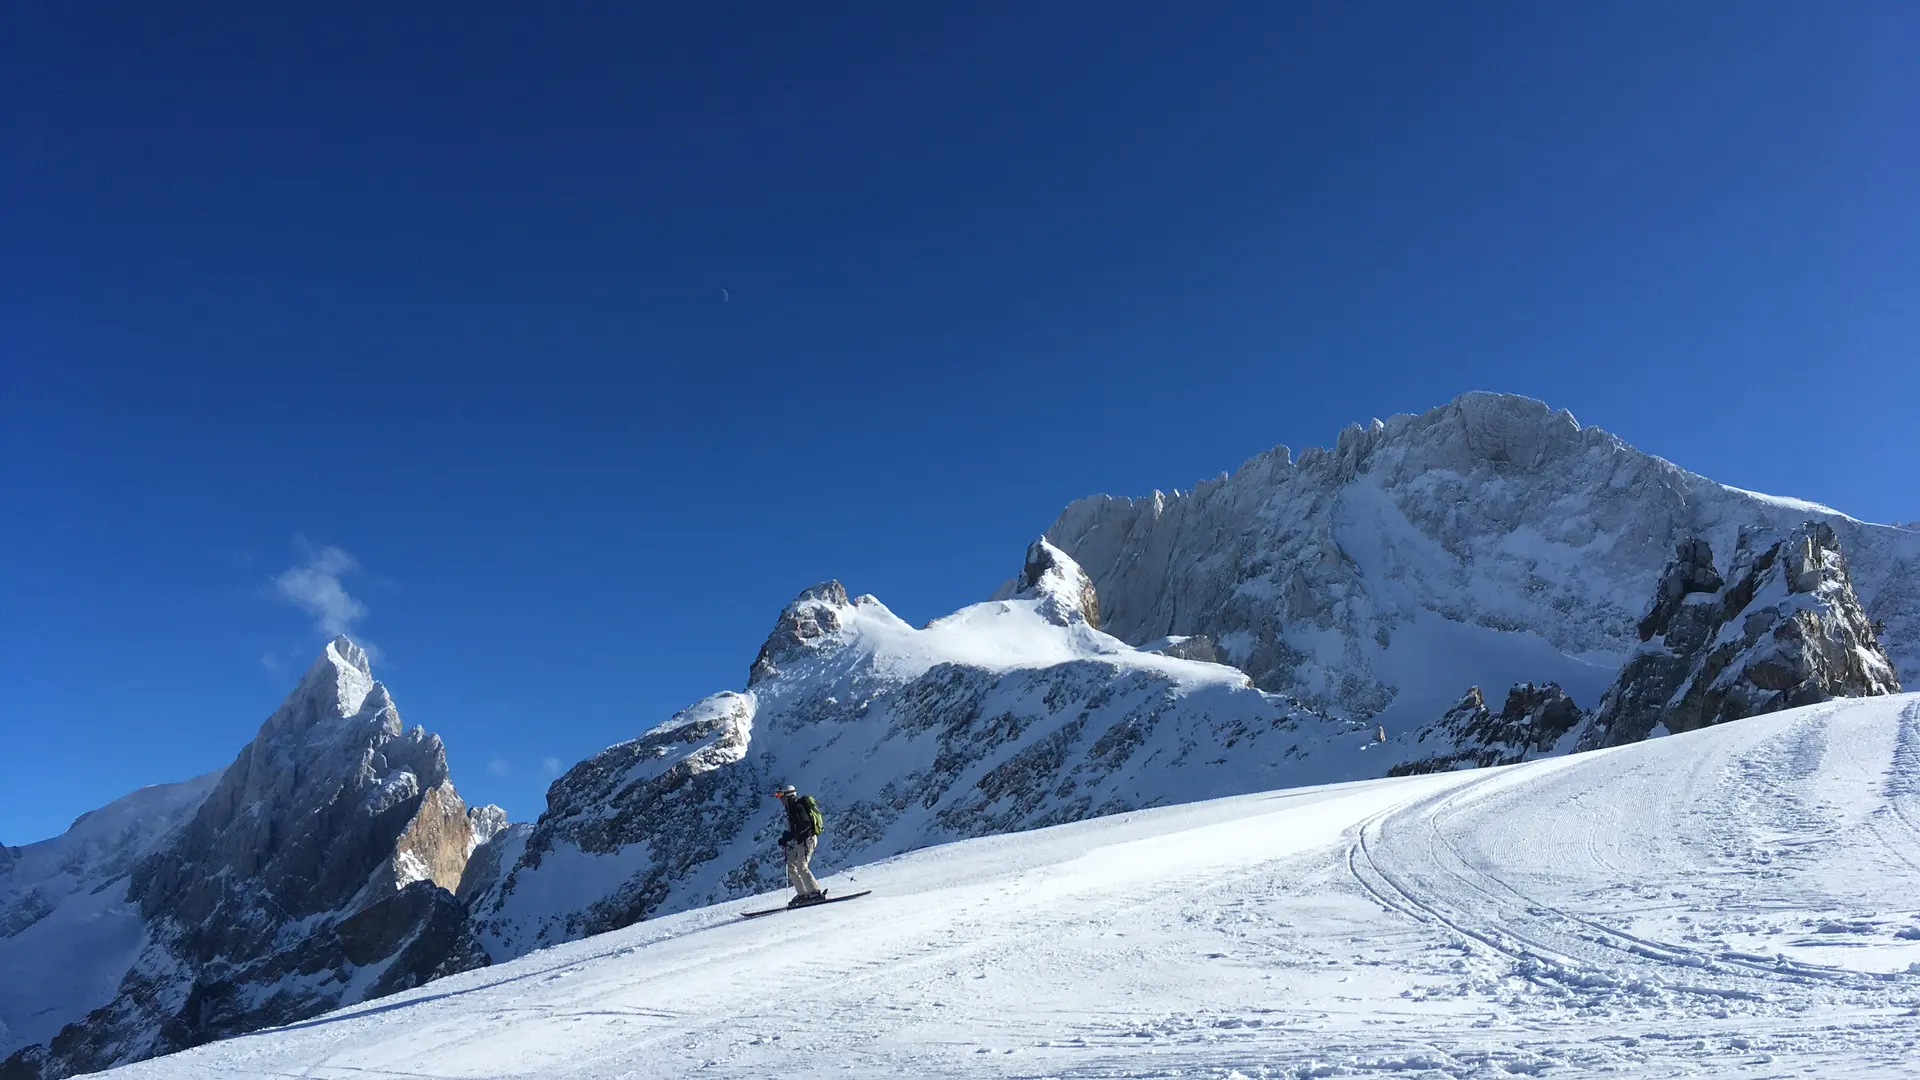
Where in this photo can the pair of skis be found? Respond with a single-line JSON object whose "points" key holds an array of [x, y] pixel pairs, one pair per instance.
{"points": [[803, 907]]}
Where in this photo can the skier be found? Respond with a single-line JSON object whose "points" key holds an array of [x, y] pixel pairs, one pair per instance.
{"points": [[803, 833]]}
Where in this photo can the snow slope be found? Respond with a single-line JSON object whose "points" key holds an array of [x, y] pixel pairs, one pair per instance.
{"points": [[67, 932], [1740, 901], [1005, 715]]}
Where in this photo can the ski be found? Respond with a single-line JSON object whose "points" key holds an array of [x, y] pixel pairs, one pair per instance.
{"points": [[803, 907]]}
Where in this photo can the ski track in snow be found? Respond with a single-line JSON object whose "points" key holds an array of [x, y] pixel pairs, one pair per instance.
{"points": [[1742, 901]]}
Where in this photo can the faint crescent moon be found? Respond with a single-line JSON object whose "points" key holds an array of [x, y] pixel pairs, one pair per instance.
{"points": [[724, 297]]}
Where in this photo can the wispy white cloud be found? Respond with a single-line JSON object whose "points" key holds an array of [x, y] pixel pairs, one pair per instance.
{"points": [[500, 767], [315, 588], [550, 766]]}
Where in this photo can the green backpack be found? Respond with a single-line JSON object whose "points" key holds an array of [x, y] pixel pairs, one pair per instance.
{"points": [[813, 811]]}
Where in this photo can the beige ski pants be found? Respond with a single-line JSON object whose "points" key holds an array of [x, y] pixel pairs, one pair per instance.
{"points": [[799, 853]]}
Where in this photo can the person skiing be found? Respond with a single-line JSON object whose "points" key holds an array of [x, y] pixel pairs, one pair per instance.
{"points": [[798, 842]]}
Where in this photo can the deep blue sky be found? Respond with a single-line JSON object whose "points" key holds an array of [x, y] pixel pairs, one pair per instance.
{"points": [[443, 291]]}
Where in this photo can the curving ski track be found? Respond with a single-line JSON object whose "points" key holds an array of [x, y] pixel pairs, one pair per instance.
{"points": [[1739, 902]]}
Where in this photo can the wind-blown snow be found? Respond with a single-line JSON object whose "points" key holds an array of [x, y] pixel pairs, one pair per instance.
{"points": [[1800, 505], [1738, 901]]}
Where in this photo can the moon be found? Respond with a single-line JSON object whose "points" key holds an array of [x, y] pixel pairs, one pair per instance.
{"points": [[724, 297]]}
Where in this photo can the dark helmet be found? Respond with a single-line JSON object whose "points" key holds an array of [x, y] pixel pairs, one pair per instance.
{"points": [[785, 791]]}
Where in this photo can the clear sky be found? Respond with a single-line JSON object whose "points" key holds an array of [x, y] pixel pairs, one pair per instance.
{"points": [[414, 323]]}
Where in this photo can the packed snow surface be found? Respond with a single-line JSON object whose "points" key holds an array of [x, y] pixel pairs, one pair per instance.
{"points": [[1740, 901]]}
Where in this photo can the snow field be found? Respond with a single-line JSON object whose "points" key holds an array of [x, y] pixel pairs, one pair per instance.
{"points": [[1742, 901]]}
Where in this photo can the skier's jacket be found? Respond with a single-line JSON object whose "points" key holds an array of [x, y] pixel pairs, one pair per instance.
{"points": [[803, 819]]}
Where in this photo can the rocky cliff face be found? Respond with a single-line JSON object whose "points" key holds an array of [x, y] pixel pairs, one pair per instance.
{"points": [[1782, 629], [1535, 721], [315, 871], [1006, 715], [1492, 540]]}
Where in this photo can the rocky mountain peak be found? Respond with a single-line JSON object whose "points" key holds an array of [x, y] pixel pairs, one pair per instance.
{"points": [[812, 616], [1783, 629], [317, 871], [1065, 591], [485, 823], [336, 687], [1492, 539], [312, 807]]}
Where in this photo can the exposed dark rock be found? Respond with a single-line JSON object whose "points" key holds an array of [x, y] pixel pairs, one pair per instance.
{"points": [[811, 616], [1197, 647], [1533, 721], [1049, 574], [1784, 629], [329, 847], [1690, 572], [665, 790]]}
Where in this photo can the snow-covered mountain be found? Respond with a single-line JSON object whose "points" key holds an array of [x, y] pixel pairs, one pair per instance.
{"points": [[1490, 541], [67, 933], [1783, 629], [1010, 714], [1735, 902], [316, 870]]}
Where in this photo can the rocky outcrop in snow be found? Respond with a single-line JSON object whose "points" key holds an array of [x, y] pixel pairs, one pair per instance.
{"points": [[1064, 590], [1492, 540], [1532, 723], [315, 871], [813, 615], [1197, 647], [1006, 715], [1783, 629]]}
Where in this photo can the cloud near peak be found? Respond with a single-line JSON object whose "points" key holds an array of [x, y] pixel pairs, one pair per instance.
{"points": [[315, 588]]}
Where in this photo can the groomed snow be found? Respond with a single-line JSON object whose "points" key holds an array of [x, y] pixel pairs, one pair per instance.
{"points": [[1742, 901]]}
